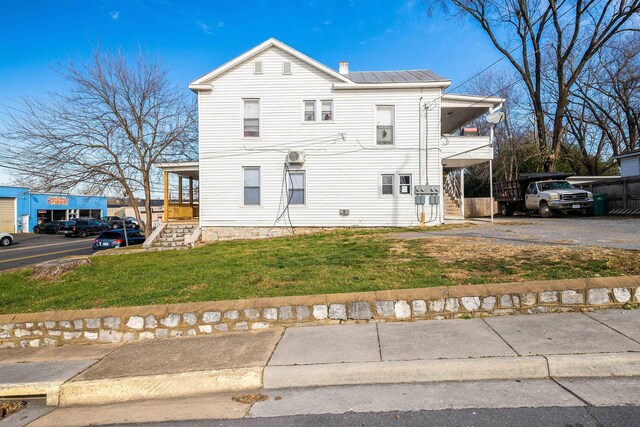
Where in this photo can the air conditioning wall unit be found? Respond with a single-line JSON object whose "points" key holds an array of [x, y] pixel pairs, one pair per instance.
{"points": [[295, 157]]}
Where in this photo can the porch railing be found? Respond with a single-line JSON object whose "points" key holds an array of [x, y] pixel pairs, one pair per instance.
{"points": [[182, 211]]}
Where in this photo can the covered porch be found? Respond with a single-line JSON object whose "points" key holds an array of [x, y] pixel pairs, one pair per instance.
{"points": [[181, 190], [461, 150]]}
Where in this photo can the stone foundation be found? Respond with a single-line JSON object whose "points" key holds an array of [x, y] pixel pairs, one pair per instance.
{"points": [[176, 320], [214, 234]]}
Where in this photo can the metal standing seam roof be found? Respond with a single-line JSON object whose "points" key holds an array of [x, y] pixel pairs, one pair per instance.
{"points": [[399, 76]]}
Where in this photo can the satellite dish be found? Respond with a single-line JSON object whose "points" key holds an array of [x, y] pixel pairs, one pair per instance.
{"points": [[495, 118]]}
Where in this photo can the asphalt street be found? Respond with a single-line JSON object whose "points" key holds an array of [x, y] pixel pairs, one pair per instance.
{"points": [[614, 416], [31, 248]]}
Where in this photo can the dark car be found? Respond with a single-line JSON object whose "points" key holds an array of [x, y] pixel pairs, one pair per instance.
{"points": [[82, 227], [116, 222], [48, 227], [115, 238]]}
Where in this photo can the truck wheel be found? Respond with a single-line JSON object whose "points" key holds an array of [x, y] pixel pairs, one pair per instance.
{"points": [[545, 210], [506, 210]]}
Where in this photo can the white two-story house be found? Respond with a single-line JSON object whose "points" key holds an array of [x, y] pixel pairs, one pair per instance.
{"points": [[287, 143]]}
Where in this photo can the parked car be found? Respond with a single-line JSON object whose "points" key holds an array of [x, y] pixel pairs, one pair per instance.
{"points": [[50, 227], [134, 220], [543, 193], [82, 227], [117, 222], [115, 238], [5, 239]]}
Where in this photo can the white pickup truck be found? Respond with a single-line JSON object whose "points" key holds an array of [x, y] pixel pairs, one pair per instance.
{"points": [[543, 193]]}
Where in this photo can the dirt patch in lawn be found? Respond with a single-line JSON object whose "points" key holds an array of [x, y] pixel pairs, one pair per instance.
{"points": [[467, 256]]}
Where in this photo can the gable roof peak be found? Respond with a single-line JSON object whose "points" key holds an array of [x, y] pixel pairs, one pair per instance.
{"points": [[202, 82]]}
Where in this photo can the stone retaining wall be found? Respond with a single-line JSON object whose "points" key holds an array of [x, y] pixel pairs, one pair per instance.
{"points": [[215, 234], [175, 320]]}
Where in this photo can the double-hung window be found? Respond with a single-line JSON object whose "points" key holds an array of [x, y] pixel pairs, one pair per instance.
{"points": [[387, 185], [385, 124], [405, 184], [251, 176], [309, 111], [251, 118], [327, 111], [296, 188]]}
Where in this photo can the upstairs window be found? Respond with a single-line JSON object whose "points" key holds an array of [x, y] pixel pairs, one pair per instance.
{"points": [[251, 185], [309, 111], [286, 67], [251, 118], [296, 188], [387, 185], [385, 127], [257, 67], [327, 111]]}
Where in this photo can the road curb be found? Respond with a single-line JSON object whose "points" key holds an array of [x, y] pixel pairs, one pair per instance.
{"points": [[421, 371], [594, 365], [112, 390], [413, 371]]}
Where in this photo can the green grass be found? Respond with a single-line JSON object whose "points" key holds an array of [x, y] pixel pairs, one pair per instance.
{"points": [[343, 261]]}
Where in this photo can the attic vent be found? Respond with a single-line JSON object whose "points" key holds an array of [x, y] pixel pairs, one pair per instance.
{"points": [[286, 67], [257, 67]]}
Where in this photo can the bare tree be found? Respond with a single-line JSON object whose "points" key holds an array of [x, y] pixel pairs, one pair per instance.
{"points": [[104, 133], [605, 104], [549, 36]]}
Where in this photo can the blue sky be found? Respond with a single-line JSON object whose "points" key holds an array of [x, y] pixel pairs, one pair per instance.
{"points": [[194, 37]]}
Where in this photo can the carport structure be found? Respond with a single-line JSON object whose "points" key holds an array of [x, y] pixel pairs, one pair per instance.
{"points": [[181, 203], [459, 152]]}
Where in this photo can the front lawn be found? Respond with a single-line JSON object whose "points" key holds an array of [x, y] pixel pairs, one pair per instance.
{"points": [[341, 261]]}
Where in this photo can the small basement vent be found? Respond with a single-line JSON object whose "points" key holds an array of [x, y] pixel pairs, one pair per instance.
{"points": [[295, 157], [286, 67], [257, 67]]}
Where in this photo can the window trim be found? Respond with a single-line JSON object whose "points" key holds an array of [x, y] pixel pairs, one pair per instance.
{"points": [[382, 184], [315, 111], [400, 184], [304, 186], [333, 114], [243, 136], [375, 126], [244, 186]]}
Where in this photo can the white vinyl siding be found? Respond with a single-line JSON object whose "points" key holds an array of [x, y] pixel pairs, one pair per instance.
{"points": [[385, 126], [251, 125], [251, 178], [296, 188], [340, 174], [630, 166]]}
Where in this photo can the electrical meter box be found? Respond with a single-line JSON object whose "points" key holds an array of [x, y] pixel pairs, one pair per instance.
{"points": [[427, 189], [421, 199]]}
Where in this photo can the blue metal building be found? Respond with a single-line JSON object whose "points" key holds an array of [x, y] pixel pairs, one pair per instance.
{"points": [[21, 210]]}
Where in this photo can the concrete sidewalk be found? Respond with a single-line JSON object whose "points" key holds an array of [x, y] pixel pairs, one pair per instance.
{"points": [[597, 344]]}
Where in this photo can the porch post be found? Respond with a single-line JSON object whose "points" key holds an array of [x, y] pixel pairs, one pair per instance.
{"points": [[491, 186], [180, 191], [462, 192], [166, 196], [191, 195]]}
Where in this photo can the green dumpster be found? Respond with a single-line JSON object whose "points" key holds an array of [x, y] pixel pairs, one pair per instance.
{"points": [[599, 204]]}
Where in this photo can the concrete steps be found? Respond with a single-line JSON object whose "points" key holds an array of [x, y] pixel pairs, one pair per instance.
{"points": [[173, 236]]}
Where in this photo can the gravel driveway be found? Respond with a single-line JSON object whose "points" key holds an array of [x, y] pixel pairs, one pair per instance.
{"points": [[606, 232]]}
